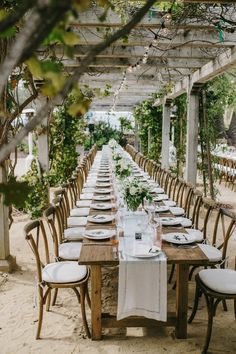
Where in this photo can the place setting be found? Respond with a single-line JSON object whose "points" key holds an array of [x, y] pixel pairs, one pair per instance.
{"points": [[101, 206], [180, 239], [100, 218], [103, 190], [99, 234]]}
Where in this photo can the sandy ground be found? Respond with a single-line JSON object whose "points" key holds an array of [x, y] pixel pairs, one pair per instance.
{"points": [[62, 331]]}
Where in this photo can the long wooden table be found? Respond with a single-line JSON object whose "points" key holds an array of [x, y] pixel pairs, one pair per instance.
{"points": [[99, 254]]}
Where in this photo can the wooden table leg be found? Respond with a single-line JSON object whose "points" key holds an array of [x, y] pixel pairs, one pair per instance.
{"points": [[182, 300], [96, 302]]}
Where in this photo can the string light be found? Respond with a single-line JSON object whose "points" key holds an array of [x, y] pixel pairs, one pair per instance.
{"points": [[143, 60]]}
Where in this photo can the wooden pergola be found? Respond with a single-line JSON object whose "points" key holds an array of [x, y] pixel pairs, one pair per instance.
{"points": [[182, 56]]}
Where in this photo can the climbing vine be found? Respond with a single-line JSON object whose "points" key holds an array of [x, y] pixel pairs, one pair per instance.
{"points": [[66, 132], [149, 121]]}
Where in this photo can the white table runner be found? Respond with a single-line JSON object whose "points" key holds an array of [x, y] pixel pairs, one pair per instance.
{"points": [[142, 287]]}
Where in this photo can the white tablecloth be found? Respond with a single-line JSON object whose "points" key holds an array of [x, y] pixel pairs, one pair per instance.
{"points": [[142, 287]]}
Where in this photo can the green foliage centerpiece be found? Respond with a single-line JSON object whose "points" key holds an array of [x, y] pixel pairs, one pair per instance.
{"points": [[122, 168], [135, 192]]}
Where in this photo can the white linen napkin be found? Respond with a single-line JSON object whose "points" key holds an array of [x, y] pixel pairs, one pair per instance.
{"points": [[142, 287]]}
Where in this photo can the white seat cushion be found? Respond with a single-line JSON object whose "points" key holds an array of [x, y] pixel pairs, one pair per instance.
{"points": [[177, 211], [79, 212], [74, 221], [196, 233], [63, 272], [74, 233], [185, 222], [83, 203], [70, 250], [219, 280], [211, 252], [86, 190], [86, 196]]}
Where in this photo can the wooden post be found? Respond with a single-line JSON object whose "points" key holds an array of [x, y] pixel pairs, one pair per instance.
{"points": [[7, 262], [192, 133], [165, 145]]}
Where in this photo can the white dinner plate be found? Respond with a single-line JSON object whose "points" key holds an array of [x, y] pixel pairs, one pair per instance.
{"points": [[101, 206], [103, 185], [104, 179], [177, 211], [144, 251], [179, 238], [158, 190], [169, 221], [102, 197], [103, 190], [100, 218], [162, 209], [161, 197], [99, 234]]}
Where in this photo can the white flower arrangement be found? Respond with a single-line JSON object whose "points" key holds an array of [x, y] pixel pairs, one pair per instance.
{"points": [[116, 155], [135, 192], [122, 168], [113, 143]]}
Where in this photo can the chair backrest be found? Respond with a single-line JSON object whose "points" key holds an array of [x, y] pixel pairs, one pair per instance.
{"points": [[37, 239], [59, 202], [225, 224], [51, 216]]}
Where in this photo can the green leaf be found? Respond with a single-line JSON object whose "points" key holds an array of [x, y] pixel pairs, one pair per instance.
{"points": [[70, 38], [15, 192], [10, 32], [35, 67]]}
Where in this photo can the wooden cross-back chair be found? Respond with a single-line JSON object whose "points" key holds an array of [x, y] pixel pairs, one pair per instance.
{"points": [[217, 285], [54, 275]]}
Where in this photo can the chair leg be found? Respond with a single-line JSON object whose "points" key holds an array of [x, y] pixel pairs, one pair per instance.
{"points": [[87, 296], [40, 319], [195, 306], [81, 296], [210, 309], [48, 300], [235, 309], [191, 272], [171, 273], [55, 297], [224, 305]]}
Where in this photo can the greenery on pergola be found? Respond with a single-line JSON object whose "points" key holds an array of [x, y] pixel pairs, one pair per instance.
{"points": [[107, 54]]}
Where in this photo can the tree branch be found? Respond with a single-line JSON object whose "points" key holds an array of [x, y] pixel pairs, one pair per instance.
{"points": [[16, 15], [41, 20], [88, 59]]}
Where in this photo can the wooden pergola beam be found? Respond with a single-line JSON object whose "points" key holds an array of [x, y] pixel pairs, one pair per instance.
{"points": [[221, 64], [125, 62]]}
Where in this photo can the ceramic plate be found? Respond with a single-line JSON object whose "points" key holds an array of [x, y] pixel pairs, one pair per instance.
{"points": [[99, 234], [162, 209], [100, 218], [103, 185], [101, 206], [160, 197], [179, 238], [177, 211], [169, 221], [158, 190], [104, 179], [144, 251], [102, 197], [102, 190]]}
